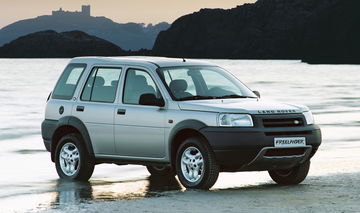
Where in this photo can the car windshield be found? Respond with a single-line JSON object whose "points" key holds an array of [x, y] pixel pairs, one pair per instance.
{"points": [[208, 82]]}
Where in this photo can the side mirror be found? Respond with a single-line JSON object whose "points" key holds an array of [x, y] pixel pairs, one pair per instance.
{"points": [[257, 93], [150, 99]]}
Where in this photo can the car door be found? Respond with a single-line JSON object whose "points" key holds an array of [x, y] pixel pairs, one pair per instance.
{"points": [[96, 108], [139, 129]]}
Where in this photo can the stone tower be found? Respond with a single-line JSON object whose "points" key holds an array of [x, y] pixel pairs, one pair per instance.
{"points": [[85, 10]]}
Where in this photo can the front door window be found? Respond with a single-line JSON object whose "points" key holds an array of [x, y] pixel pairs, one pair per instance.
{"points": [[137, 83]]}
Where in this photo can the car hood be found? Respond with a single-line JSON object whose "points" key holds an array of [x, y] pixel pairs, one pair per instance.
{"points": [[251, 106]]}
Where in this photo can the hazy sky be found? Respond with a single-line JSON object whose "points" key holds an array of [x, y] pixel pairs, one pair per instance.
{"points": [[142, 11]]}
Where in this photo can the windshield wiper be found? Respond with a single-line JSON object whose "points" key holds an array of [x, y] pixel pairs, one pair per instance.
{"points": [[233, 96], [196, 97]]}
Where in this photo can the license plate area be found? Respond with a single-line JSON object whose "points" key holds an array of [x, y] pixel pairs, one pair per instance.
{"points": [[286, 142]]}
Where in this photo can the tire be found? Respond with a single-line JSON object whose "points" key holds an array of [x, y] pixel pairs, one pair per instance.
{"points": [[72, 160], [196, 165], [291, 176], [160, 170]]}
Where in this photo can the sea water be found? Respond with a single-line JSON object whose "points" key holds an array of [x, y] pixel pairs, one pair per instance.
{"points": [[27, 174]]}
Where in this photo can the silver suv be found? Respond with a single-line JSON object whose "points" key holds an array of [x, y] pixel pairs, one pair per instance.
{"points": [[175, 116]]}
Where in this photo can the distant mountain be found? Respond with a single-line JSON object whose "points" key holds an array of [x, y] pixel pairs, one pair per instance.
{"points": [[50, 44], [317, 31], [127, 36]]}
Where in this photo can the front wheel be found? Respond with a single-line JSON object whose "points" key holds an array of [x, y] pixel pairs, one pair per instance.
{"points": [[291, 176], [72, 160], [196, 165]]}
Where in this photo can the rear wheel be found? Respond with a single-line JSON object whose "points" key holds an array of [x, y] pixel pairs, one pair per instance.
{"points": [[196, 165], [163, 170], [291, 176], [72, 160]]}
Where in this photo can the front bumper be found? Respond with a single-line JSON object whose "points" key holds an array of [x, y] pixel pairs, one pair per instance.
{"points": [[246, 149]]}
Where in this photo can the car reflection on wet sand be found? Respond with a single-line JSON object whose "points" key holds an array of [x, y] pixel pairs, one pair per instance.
{"points": [[69, 192]]}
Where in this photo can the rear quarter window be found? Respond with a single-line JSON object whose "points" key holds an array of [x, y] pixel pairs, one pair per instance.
{"points": [[68, 81]]}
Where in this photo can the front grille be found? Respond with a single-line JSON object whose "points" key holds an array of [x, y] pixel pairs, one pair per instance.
{"points": [[285, 152], [283, 122], [288, 133]]}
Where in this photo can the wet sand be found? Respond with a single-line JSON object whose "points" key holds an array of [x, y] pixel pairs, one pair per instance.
{"points": [[334, 193]]}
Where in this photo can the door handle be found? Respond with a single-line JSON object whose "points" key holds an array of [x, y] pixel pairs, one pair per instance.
{"points": [[121, 111], [80, 108]]}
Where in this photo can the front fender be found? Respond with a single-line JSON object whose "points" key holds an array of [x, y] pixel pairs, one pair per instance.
{"points": [[185, 127]]}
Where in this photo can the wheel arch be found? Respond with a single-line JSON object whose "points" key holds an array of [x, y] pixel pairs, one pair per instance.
{"points": [[67, 125], [181, 131]]}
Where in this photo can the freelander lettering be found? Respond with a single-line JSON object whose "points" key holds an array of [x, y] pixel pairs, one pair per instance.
{"points": [[290, 141]]}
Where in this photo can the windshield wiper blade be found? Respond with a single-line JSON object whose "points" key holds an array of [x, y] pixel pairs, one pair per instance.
{"points": [[196, 97], [233, 96]]}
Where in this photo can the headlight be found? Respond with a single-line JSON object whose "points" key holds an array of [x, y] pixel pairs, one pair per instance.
{"points": [[308, 117], [243, 120]]}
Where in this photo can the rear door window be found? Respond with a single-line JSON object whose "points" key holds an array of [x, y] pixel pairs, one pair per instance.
{"points": [[101, 85], [68, 81]]}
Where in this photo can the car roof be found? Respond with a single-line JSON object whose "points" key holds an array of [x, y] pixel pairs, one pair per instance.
{"points": [[142, 60]]}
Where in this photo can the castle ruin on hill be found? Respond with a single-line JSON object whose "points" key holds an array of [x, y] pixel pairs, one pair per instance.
{"points": [[85, 11]]}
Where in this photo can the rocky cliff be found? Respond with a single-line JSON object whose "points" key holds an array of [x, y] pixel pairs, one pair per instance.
{"points": [[333, 34], [317, 31]]}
